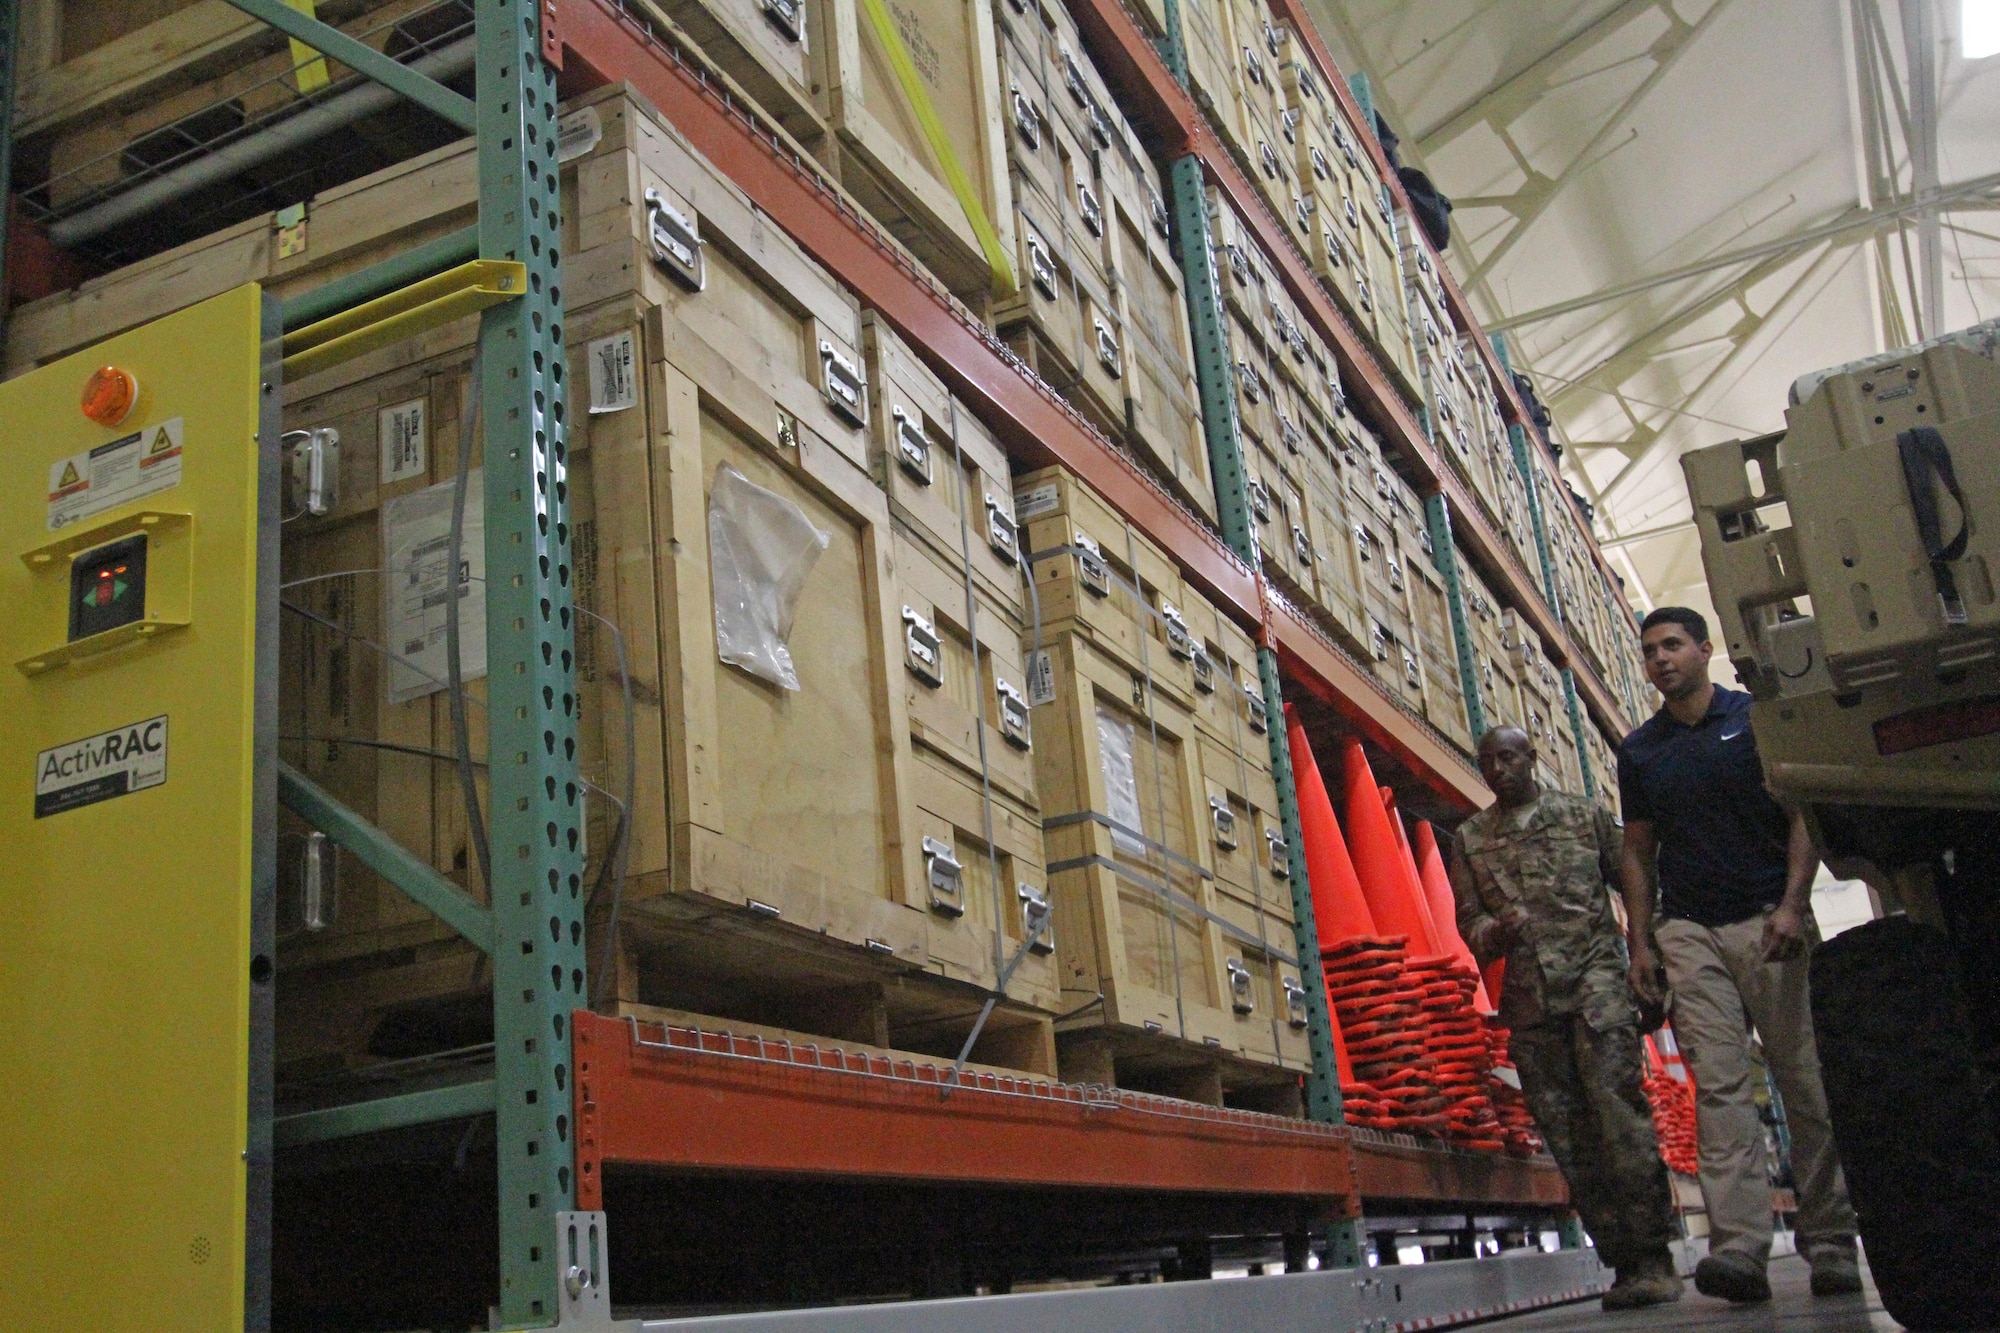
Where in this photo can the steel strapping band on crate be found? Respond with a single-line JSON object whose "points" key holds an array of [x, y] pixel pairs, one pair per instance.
{"points": [[1125, 831], [940, 142], [1166, 891]]}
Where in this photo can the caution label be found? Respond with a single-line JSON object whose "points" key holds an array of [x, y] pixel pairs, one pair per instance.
{"points": [[97, 768], [112, 474]]}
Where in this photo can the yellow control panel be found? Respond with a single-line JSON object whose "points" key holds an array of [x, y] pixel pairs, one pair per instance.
{"points": [[138, 540]]}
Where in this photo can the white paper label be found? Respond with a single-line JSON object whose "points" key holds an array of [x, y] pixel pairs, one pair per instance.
{"points": [[399, 433], [1041, 679], [578, 133], [112, 474], [416, 579], [1035, 503], [614, 375], [97, 768]]}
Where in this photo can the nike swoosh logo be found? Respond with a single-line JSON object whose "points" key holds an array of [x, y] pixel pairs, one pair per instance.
{"points": [[1731, 735]]}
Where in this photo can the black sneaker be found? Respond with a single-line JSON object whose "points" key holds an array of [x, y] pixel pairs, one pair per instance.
{"points": [[1732, 1277]]}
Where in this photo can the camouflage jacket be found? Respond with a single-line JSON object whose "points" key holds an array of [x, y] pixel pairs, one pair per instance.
{"points": [[1556, 857]]}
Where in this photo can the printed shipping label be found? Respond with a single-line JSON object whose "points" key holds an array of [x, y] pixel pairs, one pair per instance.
{"points": [[578, 133], [97, 768], [1035, 503], [417, 579], [112, 474], [1041, 679], [399, 433], [614, 379]]}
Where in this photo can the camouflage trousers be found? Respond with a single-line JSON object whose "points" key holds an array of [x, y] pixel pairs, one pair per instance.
{"points": [[1587, 1091]]}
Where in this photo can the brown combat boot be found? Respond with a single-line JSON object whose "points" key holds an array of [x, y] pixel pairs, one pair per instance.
{"points": [[1649, 1281]]}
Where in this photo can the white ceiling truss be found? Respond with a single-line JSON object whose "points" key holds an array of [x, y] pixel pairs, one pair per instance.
{"points": [[1673, 208]]}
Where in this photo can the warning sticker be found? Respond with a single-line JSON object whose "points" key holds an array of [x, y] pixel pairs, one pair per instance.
{"points": [[1035, 503], [614, 383], [135, 465], [111, 763]]}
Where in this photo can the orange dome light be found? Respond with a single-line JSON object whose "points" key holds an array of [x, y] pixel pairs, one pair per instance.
{"points": [[109, 395]]}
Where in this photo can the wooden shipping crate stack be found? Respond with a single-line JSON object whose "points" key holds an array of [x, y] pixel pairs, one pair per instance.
{"points": [[1173, 936], [823, 71], [1544, 706], [1498, 678], [820, 848]]}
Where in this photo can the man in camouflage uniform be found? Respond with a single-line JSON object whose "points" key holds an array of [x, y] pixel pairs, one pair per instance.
{"points": [[1532, 877]]}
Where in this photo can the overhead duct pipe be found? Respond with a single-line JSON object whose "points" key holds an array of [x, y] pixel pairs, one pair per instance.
{"points": [[333, 114]]}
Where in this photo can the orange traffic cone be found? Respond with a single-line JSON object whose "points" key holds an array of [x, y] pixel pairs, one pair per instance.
{"points": [[1389, 887], [1444, 904], [1339, 907], [1413, 882]]}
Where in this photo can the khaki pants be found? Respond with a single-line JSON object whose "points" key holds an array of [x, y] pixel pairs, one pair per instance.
{"points": [[1721, 986], [1587, 1091]]}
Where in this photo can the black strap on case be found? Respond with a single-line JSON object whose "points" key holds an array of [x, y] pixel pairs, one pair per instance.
{"points": [[1925, 456]]}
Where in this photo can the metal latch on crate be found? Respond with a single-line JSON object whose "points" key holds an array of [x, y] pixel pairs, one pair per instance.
{"points": [[1073, 76], [1091, 571], [1353, 214], [1303, 208], [913, 449], [1027, 119], [1253, 66], [1242, 994], [1107, 350], [1014, 717], [1001, 534], [1204, 673], [923, 651], [1225, 822], [676, 243], [1180, 643], [1036, 912], [1295, 1002], [1089, 209], [1162, 219], [1260, 499], [1395, 573], [1412, 673], [1269, 156], [1257, 712], [1384, 485], [1345, 143], [1281, 857], [1042, 269], [1364, 295], [1239, 265], [1100, 128], [1425, 540], [1336, 249], [1274, 39], [1288, 125], [1302, 544], [312, 471], [1289, 434], [1378, 642], [1248, 383], [946, 878], [787, 16], [1322, 169], [845, 391], [1364, 543]]}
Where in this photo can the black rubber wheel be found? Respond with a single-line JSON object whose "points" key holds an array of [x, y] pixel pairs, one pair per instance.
{"points": [[1920, 1153]]}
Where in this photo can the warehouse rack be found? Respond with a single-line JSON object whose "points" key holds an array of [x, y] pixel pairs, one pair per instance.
{"points": [[558, 1112]]}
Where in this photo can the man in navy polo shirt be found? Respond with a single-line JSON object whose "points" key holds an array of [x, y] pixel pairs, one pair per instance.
{"points": [[1735, 929]]}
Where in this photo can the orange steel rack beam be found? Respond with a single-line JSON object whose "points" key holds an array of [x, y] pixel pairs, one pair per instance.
{"points": [[677, 1098], [1395, 1166], [605, 43]]}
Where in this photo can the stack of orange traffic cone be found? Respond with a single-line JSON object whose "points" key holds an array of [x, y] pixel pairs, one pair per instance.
{"points": [[1673, 1114]]}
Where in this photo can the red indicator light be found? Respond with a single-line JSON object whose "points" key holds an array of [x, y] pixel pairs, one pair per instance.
{"points": [[109, 395]]}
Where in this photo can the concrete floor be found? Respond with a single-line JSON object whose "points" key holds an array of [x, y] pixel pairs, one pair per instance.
{"points": [[1792, 1308]]}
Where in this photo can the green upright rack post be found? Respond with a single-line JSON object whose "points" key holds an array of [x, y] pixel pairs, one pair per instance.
{"points": [[536, 799], [1444, 555], [1214, 370]]}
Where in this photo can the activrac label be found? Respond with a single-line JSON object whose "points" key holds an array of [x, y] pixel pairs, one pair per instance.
{"points": [[97, 768]]}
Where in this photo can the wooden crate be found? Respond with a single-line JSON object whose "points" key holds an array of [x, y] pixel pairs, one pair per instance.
{"points": [[946, 476], [1097, 576], [1230, 710], [882, 153], [1138, 916], [794, 856]]}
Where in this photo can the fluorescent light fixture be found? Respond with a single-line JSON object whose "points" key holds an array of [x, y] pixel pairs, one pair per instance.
{"points": [[1979, 29]]}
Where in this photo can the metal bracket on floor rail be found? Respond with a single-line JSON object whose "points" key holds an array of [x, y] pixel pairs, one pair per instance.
{"points": [[1444, 555], [365, 60], [383, 855], [401, 314]]}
